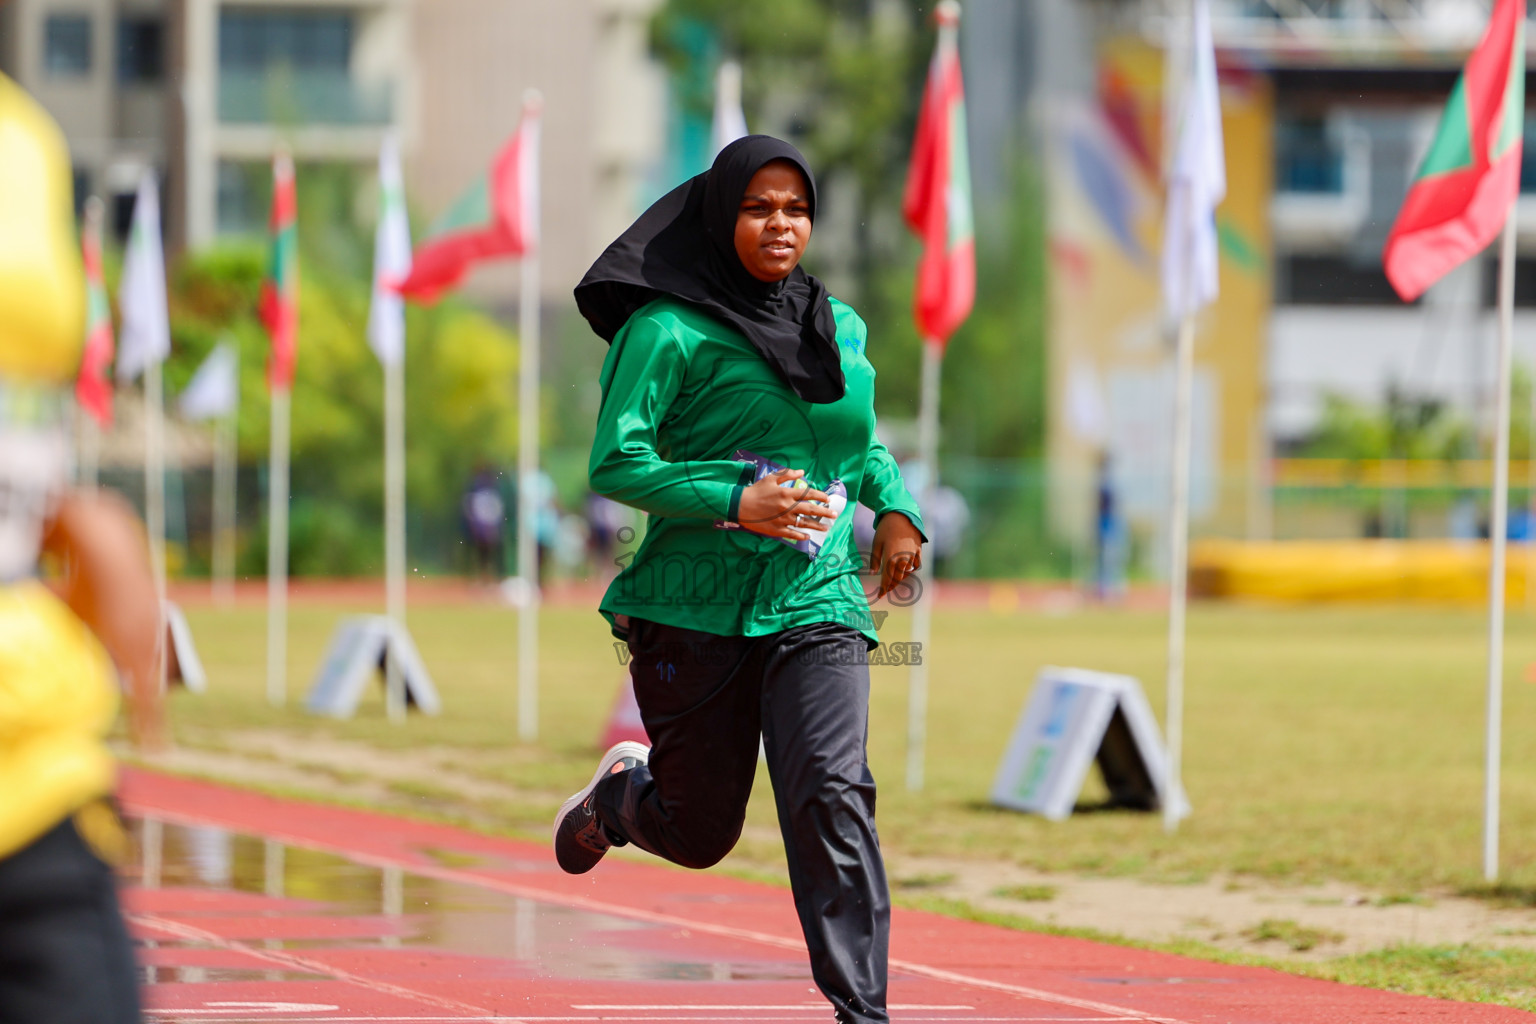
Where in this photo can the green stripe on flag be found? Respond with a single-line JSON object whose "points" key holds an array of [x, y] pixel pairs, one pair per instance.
{"points": [[470, 210], [1452, 148], [284, 249], [961, 223], [1238, 247], [1513, 129]]}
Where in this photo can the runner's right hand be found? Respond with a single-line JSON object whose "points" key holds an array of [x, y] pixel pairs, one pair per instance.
{"points": [[773, 510]]}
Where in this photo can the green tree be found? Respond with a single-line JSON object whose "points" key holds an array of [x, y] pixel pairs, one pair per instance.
{"points": [[460, 407], [843, 80]]}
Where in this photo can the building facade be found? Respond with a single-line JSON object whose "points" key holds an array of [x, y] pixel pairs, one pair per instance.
{"points": [[1353, 91], [203, 91]]}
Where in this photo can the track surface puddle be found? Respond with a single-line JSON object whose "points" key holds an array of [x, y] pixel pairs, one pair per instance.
{"points": [[220, 887]]}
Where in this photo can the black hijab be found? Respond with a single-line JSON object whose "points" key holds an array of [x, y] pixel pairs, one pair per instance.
{"points": [[684, 246]]}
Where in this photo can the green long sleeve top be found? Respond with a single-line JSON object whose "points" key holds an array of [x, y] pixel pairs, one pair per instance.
{"points": [[681, 393]]}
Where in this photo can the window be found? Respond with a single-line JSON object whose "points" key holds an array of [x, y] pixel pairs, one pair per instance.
{"points": [[1307, 158], [140, 50], [244, 195], [67, 45], [1332, 280], [256, 40]]}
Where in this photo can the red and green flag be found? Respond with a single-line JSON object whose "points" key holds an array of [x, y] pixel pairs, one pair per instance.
{"points": [[1470, 177], [496, 218], [280, 291], [92, 390], [937, 204]]}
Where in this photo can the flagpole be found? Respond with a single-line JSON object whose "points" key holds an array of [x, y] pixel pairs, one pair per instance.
{"points": [[1499, 532], [154, 495], [277, 551], [1178, 567], [528, 436], [394, 527], [922, 611], [527, 506], [224, 469], [90, 452]]}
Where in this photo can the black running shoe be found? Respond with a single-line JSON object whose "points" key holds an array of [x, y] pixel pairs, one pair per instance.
{"points": [[579, 839]]}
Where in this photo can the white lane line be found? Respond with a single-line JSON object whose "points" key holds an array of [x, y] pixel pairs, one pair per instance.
{"points": [[573, 901], [803, 1007], [168, 1015], [188, 932]]}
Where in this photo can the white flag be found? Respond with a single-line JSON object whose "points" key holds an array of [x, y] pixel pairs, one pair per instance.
{"points": [[730, 123], [1086, 411], [1197, 179], [145, 336], [391, 259], [214, 390]]}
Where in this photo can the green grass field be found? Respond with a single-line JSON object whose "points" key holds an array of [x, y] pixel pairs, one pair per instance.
{"points": [[1329, 744]]}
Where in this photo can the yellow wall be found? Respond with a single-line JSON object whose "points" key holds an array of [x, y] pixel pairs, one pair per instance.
{"points": [[1106, 325]]}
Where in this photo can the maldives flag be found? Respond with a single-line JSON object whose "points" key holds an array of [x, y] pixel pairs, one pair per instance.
{"points": [[92, 391], [280, 291], [497, 217], [937, 205], [1471, 175]]}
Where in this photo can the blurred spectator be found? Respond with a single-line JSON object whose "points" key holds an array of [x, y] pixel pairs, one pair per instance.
{"points": [[1109, 535], [571, 545], [605, 517], [1522, 523], [484, 514], [546, 521], [1463, 524]]}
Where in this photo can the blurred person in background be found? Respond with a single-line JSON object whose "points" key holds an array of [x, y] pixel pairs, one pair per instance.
{"points": [[546, 522], [946, 518], [64, 951], [605, 518], [722, 350], [1109, 535], [483, 513]]}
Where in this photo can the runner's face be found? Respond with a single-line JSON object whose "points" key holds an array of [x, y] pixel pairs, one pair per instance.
{"points": [[773, 222]]}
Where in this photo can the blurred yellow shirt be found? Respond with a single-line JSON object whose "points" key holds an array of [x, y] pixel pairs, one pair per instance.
{"points": [[42, 281], [57, 691]]}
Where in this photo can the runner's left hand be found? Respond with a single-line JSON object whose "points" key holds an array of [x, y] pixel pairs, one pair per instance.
{"points": [[897, 551]]}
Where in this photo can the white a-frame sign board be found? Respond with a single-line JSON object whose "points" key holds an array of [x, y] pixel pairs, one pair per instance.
{"points": [[184, 665], [1075, 717], [356, 655]]}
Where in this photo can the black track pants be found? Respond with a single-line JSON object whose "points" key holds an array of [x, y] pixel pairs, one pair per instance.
{"points": [[705, 699], [65, 957]]}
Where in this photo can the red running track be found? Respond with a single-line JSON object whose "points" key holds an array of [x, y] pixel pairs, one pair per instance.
{"points": [[249, 908]]}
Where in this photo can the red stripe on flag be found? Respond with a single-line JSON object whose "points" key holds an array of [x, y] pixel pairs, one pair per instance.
{"points": [[280, 316], [279, 305], [443, 262], [1462, 212], [1448, 218], [946, 276], [440, 265], [93, 391]]}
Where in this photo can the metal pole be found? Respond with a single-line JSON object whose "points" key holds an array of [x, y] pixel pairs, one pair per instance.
{"points": [[527, 503], [277, 553], [90, 452], [922, 612], [224, 462], [394, 528], [154, 497], [1178, 567], [1499, 532]]}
